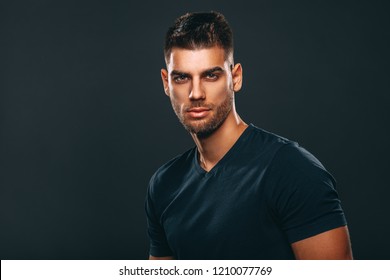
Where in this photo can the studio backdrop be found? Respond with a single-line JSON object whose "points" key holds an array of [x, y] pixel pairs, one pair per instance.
{"points": [[84, 121]]}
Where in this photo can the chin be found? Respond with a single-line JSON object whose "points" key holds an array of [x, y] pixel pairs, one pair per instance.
{"points": [[202, 130]]}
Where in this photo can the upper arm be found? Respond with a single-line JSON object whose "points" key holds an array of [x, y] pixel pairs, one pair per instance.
{"points": [[330, 245], [305, 202], [158, 242], [161, 258]]}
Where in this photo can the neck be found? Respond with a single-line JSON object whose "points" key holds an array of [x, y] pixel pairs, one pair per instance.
{"points": [[213, 147]]}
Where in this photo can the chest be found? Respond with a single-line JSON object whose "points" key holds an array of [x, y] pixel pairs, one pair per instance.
{"points": [[213, 212]]}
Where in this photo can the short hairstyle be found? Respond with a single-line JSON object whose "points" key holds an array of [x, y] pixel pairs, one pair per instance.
{"points": [[199, 30]]}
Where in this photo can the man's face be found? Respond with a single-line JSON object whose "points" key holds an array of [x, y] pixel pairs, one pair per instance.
{"points": [[201, 87]]}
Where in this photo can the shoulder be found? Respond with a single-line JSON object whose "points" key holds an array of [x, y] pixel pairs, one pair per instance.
{"points": [[264, 137], [298, 180], [293, 171], [284, 154], [263, 145], [169, 171], [293, 160], [302, 194]]}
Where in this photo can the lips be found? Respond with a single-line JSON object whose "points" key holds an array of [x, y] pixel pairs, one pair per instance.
{"points": [[198, 112]]}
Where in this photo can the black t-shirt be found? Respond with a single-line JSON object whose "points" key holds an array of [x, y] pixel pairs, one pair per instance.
{"points": [[264, 194]]}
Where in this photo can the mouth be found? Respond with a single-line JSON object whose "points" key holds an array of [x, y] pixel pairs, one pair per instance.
{"points": [[198, 112]]}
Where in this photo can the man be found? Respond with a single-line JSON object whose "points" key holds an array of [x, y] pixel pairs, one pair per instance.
{"points": [[242, 192]]}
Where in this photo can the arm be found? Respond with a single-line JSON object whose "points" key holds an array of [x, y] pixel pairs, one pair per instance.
{"points": [[306, 202], [158, 242], [330, 245], [160, 258]]}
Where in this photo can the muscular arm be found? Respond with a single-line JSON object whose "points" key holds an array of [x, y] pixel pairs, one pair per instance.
{"points": [[330, 245], [160, 258]]}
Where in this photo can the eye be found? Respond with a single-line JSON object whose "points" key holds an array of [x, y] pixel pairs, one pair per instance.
{"points": [[211, 76], [180, 78]]}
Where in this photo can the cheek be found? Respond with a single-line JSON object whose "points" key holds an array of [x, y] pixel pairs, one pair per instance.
{"points": [[179, 94], [178, 99], [217, 90]]}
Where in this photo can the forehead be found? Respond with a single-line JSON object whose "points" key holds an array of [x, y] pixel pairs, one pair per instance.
{"points": [[185, 60]]}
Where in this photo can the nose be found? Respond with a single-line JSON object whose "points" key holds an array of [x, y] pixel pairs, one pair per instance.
{"points": [[197, 91]]}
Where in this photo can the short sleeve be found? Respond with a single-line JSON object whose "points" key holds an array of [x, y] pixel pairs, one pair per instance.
{"points": [[158, 243], [303, 195]]}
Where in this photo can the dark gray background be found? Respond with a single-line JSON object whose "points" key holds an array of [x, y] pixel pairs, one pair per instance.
{"points": [[84, 121]]}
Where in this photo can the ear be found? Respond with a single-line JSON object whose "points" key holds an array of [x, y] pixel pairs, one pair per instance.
{"points": [[164, 78], [237, 77]]}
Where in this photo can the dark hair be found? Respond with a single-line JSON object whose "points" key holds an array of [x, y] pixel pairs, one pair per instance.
{"points": [[199, 30]]}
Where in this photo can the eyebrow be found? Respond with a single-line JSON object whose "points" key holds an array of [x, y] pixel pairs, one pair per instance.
{"points": [[214, 69], [205, 72]]}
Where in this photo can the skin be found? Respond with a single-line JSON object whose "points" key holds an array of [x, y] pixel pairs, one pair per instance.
{"points": [[198, 86], [329, 245], [201, 84]]}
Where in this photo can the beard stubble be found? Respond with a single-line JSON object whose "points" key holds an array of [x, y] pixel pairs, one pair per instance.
{"points": [[206, 126]]}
